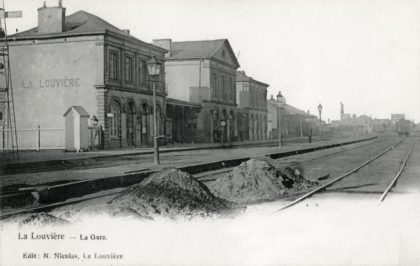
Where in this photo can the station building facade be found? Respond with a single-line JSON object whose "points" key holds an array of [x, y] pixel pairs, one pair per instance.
{"points": [[81, 60], [201, 82], [294, 122], [251, 96]]}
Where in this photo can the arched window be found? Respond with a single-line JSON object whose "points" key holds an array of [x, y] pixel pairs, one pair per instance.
{"points": [[115, 128]]}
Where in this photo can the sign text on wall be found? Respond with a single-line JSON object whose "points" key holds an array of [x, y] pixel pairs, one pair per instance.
{"points": [[52, 83]]}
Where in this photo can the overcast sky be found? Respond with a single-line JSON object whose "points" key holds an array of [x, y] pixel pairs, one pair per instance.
{"points": [[364, 53]]}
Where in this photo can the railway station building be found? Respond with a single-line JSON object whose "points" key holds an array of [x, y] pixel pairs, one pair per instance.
{"points": [[294, 122], [251, 96], [82, 60], [201, 82]]}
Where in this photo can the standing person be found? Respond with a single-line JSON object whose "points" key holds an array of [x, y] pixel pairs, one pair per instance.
{"points": [[310, 135], [101, 137]]}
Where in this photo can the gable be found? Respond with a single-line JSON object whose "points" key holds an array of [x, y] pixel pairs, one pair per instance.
{"points": [[225, 54]]}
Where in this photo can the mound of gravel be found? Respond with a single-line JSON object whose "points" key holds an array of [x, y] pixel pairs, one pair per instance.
{"points": [[258, 180], [171, 193], [294, 181], [42, 219], [251, 181], [76, 214]]}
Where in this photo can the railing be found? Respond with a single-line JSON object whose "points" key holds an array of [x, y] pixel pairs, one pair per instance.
{"points": [[32, 139]]}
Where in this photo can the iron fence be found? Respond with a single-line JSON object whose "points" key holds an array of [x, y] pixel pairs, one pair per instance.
{"points": [[32, 138]]}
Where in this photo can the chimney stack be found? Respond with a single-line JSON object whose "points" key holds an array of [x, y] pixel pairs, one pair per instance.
{"points": [[165, 44], [51, 19]]}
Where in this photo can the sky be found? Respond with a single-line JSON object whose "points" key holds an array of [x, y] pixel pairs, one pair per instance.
{"points": [[364, 53]]}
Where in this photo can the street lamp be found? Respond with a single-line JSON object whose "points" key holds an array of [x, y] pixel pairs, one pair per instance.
{"points": [[280, 103], [320, 123], [153, 67]]}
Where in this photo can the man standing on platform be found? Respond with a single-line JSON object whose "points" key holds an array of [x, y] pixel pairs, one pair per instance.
{"points": [[310, 135]]}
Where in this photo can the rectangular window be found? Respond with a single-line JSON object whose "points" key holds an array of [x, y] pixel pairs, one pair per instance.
{"points": [[231, 89], [214, 92], [129, 69], [113, 65], [143, 72], [223, 87]]}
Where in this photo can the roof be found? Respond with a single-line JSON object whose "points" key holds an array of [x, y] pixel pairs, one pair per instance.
{"points": [[79, 109], [181, 103], [291, 110], [295, 111], [242, 77], [79, 23], [199, 49]]}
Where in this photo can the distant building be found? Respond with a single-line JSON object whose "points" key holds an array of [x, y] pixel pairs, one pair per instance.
{"points": [[381, 125], [343, 116], [200, 77], [82, 60], [294, 122], [251, 96], [397, 117], [350, 125]]}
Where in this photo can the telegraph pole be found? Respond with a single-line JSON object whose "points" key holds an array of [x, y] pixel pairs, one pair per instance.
{"points": [[6, 89]]}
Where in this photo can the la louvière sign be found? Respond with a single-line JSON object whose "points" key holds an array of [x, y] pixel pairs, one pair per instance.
{"points": [[52, 83]]}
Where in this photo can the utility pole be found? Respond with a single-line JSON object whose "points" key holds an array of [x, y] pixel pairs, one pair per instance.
{"points": [[6, 89]]}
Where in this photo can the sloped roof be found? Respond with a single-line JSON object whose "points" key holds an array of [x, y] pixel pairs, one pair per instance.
{"points": [[242, 77], [199, 49], [295, 111], [291, 110], [181, 102], [79, 109], [80, 22]]}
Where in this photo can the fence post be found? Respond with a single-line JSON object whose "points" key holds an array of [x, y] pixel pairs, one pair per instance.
{"points": [[38, 138], [2, 138]]}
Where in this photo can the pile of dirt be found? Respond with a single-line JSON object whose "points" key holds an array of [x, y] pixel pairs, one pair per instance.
{"points": [[294, 181], [76, 214], [171, 193], [42, 219], [258, 180], [251, 181]]}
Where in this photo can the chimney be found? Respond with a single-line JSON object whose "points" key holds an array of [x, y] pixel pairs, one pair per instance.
{"points": [[165, 44], [51, 19], [126, 31]]}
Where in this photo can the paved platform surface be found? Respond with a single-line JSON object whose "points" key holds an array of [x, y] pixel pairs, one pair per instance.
{"points": [[130, 162], [48, 155]]}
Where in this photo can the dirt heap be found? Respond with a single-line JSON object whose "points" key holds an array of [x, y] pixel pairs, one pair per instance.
{"points": [[76, 213], [171, 193], [251, 181], [258, 180], [294, 181], [42, 219]]}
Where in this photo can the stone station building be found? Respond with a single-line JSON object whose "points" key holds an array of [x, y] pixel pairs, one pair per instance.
{"points": [[200, 77], [251, 96], [82, 60]]}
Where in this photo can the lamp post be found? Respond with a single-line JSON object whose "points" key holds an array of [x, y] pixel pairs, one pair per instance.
{"points": [[320, 123], [153, 68], [280, 103]]}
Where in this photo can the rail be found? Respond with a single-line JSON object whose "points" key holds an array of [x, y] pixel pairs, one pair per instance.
{"points": [[392, 184], [311, 193], [65, 194]]}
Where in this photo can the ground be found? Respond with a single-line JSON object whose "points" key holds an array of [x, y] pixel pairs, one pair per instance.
{"points": [[337, 227]]}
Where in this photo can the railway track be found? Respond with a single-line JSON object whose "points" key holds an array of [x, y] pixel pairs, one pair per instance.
{"points": [[205, 175], [354, 170]]}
